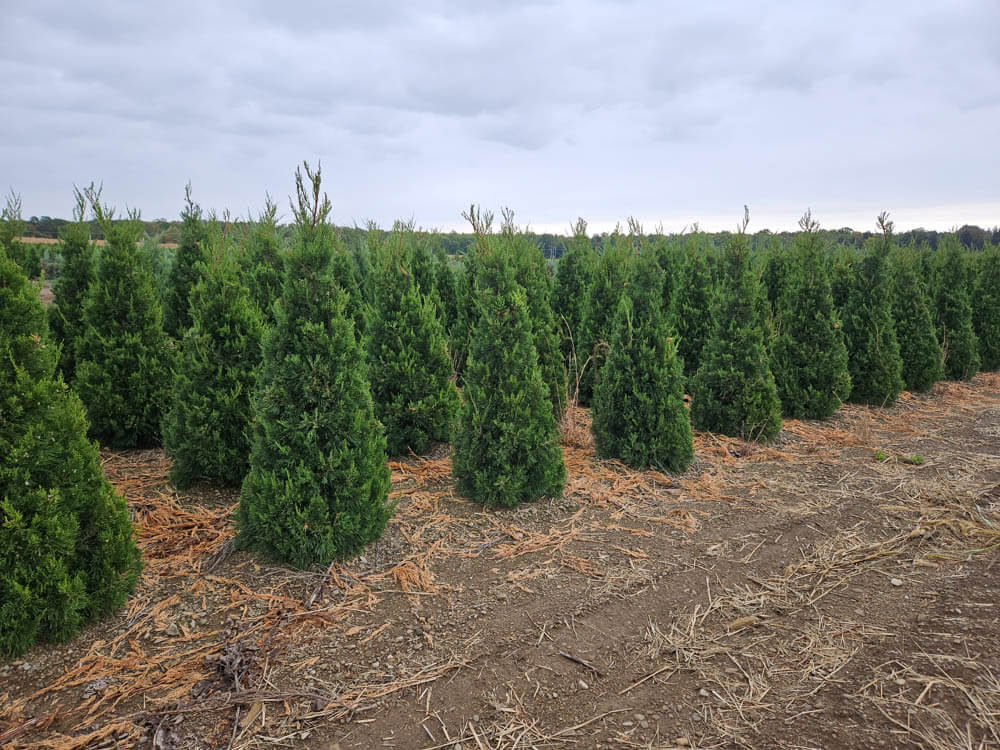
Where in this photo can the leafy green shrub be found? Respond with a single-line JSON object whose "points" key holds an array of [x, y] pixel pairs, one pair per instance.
{"points": [[124, 358], [911, 307], [733, 391], [408, 356], [808, 357], [67, 551], [638, 413], [318, 484], [954, 312], [206, 429], [986, 308], [506, 444]]}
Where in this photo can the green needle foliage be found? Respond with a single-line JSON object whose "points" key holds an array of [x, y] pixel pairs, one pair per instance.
{"points": [[206, 430], [446, 287], [911, 307], [67, 551], [869, 329], [70, 287], [411, 384], [986, 308], [184, 273], [264, 261], [808, 357], [954, 312], [574, 275], [318, 484], [506, 444], [638, 413], [692, 310], [124, 359], [26, 254], [733, 391]]}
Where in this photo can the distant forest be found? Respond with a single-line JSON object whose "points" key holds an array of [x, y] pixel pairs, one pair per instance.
{"points": [[552, 245]]}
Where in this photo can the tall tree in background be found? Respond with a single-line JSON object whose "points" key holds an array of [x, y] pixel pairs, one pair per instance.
{"points": [[506, 444], [123, 358], [411, 384], [986, 308], [263, 265], [870, 332], [574, 275], [70, 287], [911, 307], [184, 273], [206, 429], [639, 415], [318, 484], [733, 392], [67, 551], [808, 357], [692, 309], [954, 312]]}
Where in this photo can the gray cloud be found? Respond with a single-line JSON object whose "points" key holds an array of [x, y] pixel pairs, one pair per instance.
{"points": [[600, 109]]}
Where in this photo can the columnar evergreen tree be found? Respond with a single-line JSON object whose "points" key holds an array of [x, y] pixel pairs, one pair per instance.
{"points": [[67, 551], [777, 263], [446, 286], [318, 484], [841, 263], [954, 312], [263, 264], [870, 332], [808, 357], [506, 444], [411, 384], [733, 391], [70, 287], [610, 283], [919, 349], [670, 257], [692, 309], [206, 429], [123, 358], [25, 254], [639, 415], [184, 273], [574, 275], [986, 308]]}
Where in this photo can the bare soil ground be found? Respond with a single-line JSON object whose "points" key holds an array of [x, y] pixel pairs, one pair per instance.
{"points": [[804, 594]]}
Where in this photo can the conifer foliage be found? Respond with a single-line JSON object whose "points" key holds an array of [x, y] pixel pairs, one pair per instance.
{"points": [[638, 412], [184, 273], [574, 275], [124, 358], [954, 312], [67, 551], [986, 308], [692, 304], [506, 444], [808, 358], [414, 395], [911, 307], [264, 261], [869, 329], [25, 254], [206, 430], [733, 392], [318, 484]]}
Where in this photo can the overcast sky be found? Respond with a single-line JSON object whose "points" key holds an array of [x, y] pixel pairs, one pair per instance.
{"points": [[669, 111]]}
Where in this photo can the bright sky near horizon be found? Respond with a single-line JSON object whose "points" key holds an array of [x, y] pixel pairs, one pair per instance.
{"points": [[671, 112]]}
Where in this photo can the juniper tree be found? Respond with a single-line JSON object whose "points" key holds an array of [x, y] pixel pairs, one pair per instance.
{"points": [[317, 489], [808, 357], [25, 254], [263, 263], [184, 273], [670, 258], [692, 308], [873, 357], [610, 283], [206, 429], [733, 391], [774, 278], [638, 412], [446, 286], [506, 444], [408, 356], [574, 275], [954, 312], [123, 358], [67, 551], [70, 287], [986, 308], [911, 307]]}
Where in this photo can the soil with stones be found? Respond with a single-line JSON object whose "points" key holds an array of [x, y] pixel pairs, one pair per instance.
{"points": [[838, 588]]}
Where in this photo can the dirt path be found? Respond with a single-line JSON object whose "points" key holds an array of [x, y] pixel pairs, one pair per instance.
{"points": [[799, 595]]}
